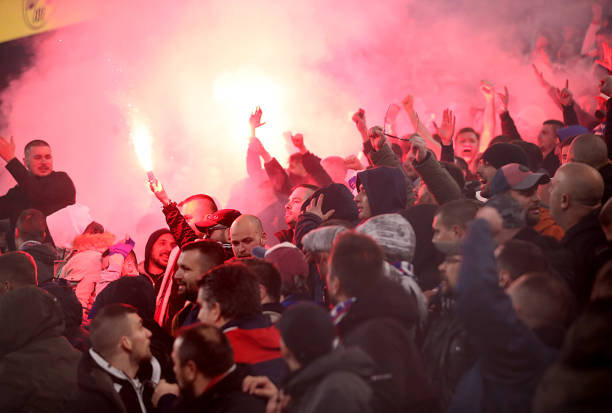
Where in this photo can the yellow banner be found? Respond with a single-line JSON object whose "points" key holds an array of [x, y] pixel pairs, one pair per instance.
{"points": [[21, 18]]}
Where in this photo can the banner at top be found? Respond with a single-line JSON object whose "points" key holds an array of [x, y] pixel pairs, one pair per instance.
{"points": [[21, 18]]}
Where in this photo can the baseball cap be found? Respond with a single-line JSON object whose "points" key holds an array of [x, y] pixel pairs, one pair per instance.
{"points": [[218, 220], [515, 176], [570, 132]]}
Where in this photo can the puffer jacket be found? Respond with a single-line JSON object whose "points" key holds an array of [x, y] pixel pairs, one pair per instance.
{"points": [[38, 366]]}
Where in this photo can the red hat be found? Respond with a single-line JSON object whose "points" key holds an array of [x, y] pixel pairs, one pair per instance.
{"points": [[218, 220]]}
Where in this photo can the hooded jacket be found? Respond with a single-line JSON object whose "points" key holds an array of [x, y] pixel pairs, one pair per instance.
{"points": [[156, 278], [37, 364], [385, 188], [335, 382], [44, 256], [381, 324], [256, 341]]}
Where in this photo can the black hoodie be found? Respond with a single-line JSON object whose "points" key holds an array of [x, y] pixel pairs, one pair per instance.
{"points": [[385, 188]]}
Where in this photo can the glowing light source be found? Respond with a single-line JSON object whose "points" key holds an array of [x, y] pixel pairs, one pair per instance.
{"points": [[143, 144]]}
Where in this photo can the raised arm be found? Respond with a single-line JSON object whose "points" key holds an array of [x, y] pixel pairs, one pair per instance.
{"points": [[507, 123], [311, 162], [419, 127], [489, 120], [181, 231]]}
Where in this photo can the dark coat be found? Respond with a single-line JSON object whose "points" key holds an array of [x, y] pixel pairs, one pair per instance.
{"points": [[97, 393], [225, 396], [37, 364], [385, 188], [48, 194], [606, 174], [382, 325], [44, 255], [587, 241], [256, 342], [511, 358], [335, 382]]}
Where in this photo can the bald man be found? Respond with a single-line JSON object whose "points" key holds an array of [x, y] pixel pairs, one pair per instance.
{"points": [[593, 151], [246, 233], [575, 201]]}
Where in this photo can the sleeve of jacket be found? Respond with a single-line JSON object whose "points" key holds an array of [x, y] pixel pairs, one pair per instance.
{"points": [[508, 126], [386, 157], [569, 115], [439, 182], [278, 176], [509, 349], [181, 231], [312, 164], [48, 195], [7, 204], [447, 153], [254, 169], [306, 222]]}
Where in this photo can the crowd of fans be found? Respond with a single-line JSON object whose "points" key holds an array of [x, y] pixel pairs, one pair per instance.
{"points": [[457, 271]]}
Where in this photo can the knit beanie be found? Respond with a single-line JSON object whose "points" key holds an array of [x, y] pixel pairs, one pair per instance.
{"points": [[339, 198], [393, 233], [307, 330], [502, 154], [321, 239]]}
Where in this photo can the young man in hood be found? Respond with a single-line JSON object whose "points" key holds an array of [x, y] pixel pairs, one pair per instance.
{"points": [[157, 253]]}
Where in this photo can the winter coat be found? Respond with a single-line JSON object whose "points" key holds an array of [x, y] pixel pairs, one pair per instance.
{"points": [[447, 350], [37, 364], [256, 342], [606, 174], [98, 391], [439, 182], [335, 382], [587, 243], [44, 255], [511, 358], [84, 267], [381, 324], [385, 188], [48, 194], [225, 396], [386, 157]]}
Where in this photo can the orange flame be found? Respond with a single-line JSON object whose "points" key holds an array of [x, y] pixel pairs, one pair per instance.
{"points": [[143, 144]]}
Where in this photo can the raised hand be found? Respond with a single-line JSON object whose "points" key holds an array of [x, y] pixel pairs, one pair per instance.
{"points": [[360, 120], [315, 207], [504, 98], [487, 88], [160, 193], [377, 137], [7, 148], [564, 95], [392, 113], [298, 142], [255, 120], [540, 77], [419, 147], [408, 103], [446, 130]]}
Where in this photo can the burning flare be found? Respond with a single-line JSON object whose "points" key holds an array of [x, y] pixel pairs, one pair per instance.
{"points": [[143, 144]]}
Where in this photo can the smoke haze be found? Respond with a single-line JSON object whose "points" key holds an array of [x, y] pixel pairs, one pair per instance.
{"points": [[195, 70]]}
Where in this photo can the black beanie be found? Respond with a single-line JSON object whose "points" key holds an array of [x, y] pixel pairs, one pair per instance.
{"points": [[339, 198], [152, 239], [307, 330], [502, 154]]}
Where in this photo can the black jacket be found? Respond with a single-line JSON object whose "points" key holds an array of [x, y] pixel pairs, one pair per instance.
{"points": [[381, 324], [48, 194], [335, 382], [587, 241], [44, 255], [225, 396], [97, 392]]}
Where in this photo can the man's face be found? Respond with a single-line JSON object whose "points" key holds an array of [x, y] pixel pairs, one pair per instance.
{"points": [[466, 145], [207, 313], [485, 174], [196, 210], [220, 235], [554, 199], [244, 239], [363, 204], [39, 160], [441, 233], [191, 266], [184, 380], [140, 338], [293, 208], [449, 271], [547, 138], [530, 201], [160, 252]]}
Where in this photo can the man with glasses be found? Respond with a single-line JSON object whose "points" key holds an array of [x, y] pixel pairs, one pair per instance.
{"points": [[216, 228]]}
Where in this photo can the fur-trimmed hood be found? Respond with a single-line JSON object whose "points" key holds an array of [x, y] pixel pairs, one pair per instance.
{"points": [[97, 242]]}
